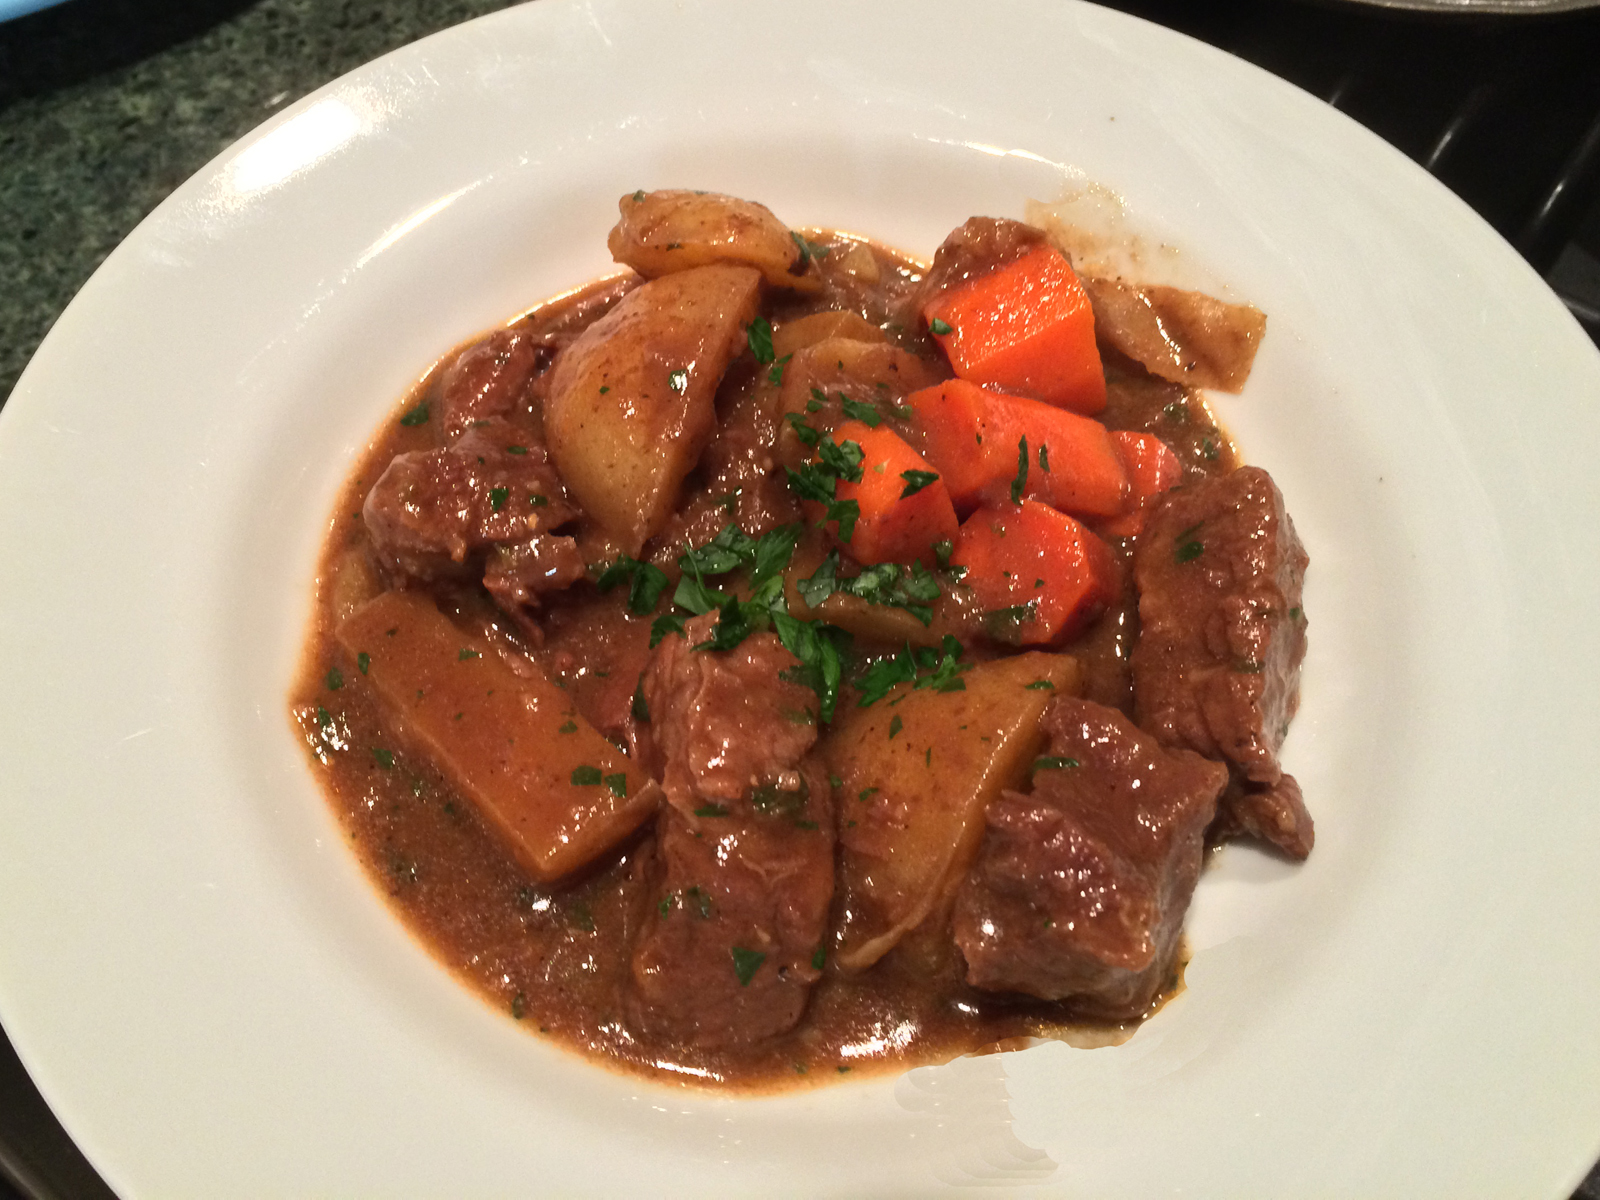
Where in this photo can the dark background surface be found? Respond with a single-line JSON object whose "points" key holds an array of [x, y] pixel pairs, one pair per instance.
{"points": [[107, 105]]}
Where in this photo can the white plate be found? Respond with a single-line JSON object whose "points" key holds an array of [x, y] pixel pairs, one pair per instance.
{"points": [[214, 1001]]}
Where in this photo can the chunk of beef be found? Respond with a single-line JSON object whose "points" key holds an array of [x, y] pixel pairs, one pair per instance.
{"points": [[519, 573], [742, 873], [973, 250], [432, 511], [488, 379], [724, 722], [1080, 888], [1181, 336], [1217, 667]]}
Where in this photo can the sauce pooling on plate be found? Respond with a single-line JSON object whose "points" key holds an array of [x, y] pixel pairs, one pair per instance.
{"points": [[782, 659]]}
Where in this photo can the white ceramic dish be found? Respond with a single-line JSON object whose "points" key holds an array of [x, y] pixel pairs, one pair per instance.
{"points": [[214, 1001]]}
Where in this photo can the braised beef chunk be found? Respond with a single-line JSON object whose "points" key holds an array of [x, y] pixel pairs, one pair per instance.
{"points": [[975, 249], [489, 379], [1274, 812], [728, 953], [431, 510], [1080, 888], [1217, 667], [724, 722], [742, 875], [519, 573], [1180, 336]]}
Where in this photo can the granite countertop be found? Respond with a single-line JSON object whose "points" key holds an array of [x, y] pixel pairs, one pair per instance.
{"points": [[106, 106]]}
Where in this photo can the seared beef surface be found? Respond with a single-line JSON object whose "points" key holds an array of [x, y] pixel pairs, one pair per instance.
{"points": [[1080, 888], [1219, 572], [432, 512], [742, 874]]}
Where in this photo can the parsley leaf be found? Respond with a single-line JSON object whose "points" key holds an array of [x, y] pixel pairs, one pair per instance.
{"points": [[867, 414], [775, 371], [645, 581], [416, 416], [1021, 481], [940, 328], [759, 335], [916, 481], [585, 776], [747, 962]]}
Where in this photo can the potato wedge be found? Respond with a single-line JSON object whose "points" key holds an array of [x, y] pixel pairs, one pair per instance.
{"points": [[672, 230], [918, 770], [815, 327], [549, 783], [632, 400]]}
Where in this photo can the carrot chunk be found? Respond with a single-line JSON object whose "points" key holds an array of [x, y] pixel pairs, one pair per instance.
{"points": [[1073, 461], [953, 420], [1152, 469], [1026, 327], [905, 506], [1039, 574], [974, 437]]}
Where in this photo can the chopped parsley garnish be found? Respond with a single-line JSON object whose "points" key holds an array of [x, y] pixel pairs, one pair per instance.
{"points": [[804, 432], [889, 584], [645, 582], [942, 550], [568, 726], [895, 726], [638, 196], [818, 957], [1021, 481], [759, 336], [334, 679], [923, 667], [516, 449], [324, 717], [775, 371], [1041, 685], [679, 381], [867, 414], [586, 776], [1044, 458], [1187, 547], [618, 784], [747, 962], [416, 416], [363, 661], [916, 481], [1048, 763], [537, 501], [498, 497], [1177, 412], [940, 328], [1004, 624], [641, 706], [384, 758], [809, 250], [711, 810], [466, 653]]}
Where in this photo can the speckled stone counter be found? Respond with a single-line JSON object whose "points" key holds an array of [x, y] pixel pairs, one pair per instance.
{"points": [[106, 106]]}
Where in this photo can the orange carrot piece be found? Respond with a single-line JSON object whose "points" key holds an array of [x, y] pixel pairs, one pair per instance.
{"points": [[953, 419], [973, 438], [1152, 469], [1026, 327], [1073, 461], [894, 527], [1039, 574]]}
